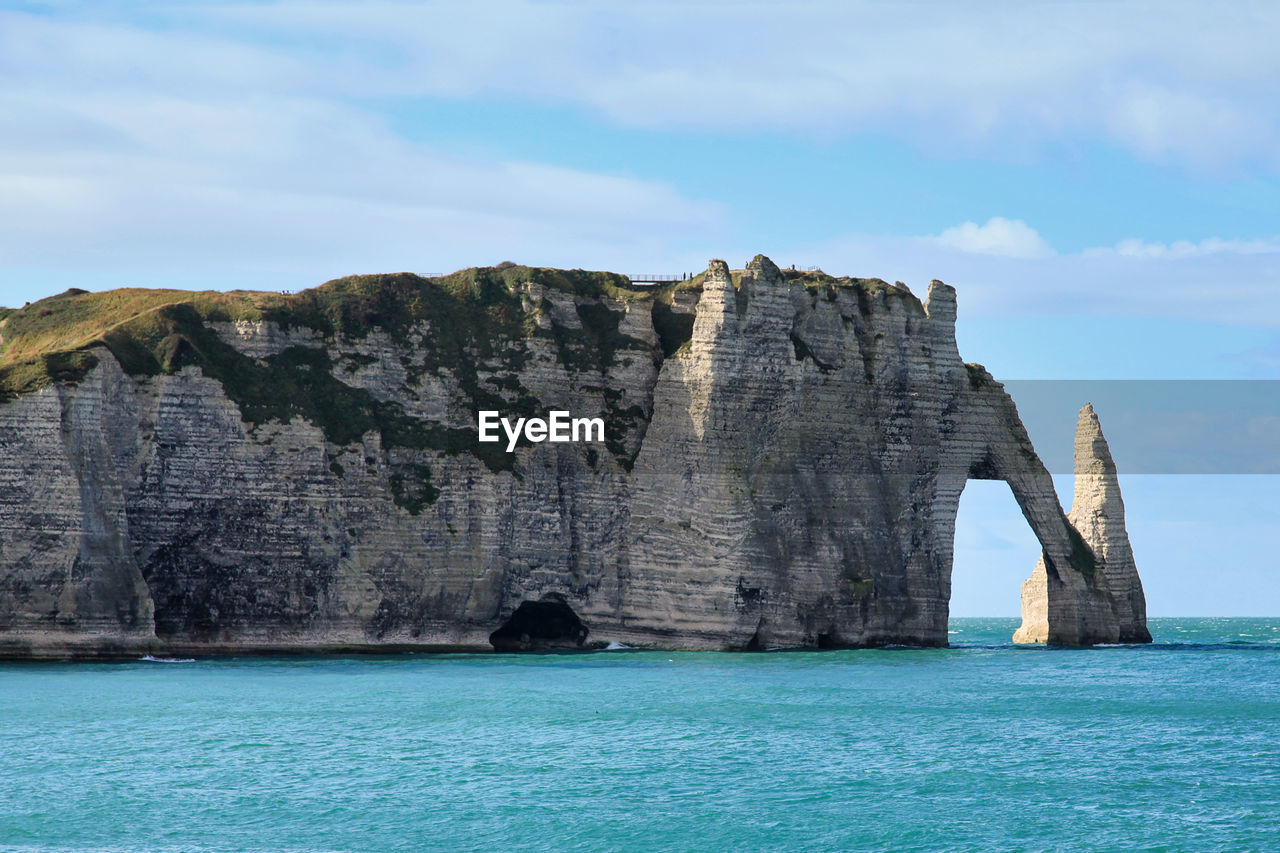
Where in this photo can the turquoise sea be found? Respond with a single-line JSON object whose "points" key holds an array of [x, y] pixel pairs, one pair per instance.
{"points": [[984, 746]]}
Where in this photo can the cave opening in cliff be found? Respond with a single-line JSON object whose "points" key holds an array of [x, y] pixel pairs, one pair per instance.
{"points": [[995, 550], [540, 625]]}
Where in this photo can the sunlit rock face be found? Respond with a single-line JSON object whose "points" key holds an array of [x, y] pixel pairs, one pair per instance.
{"points": [[1097, 513], [783, 459]]}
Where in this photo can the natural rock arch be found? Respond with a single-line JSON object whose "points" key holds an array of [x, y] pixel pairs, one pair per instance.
{"points": [[783, 461]]}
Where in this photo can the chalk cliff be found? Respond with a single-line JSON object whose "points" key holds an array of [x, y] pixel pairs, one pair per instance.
{"points": [[782, 465], [1097, 513]]}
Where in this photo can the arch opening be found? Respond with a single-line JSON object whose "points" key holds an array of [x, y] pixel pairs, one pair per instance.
{"points": [[540, 626], [994, 551]]}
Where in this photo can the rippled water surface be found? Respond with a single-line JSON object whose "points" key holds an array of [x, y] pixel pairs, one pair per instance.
{"points": [[983, 746]]}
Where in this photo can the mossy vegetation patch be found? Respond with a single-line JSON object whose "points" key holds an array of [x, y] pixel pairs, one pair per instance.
{"points": [[45, 341], [32, 373], [867, 290], [76, 318], [620, 423], [857, 588], [298, 382], [470, 328], [412, 488], [674, 328], [593, 346], [978, 376]]}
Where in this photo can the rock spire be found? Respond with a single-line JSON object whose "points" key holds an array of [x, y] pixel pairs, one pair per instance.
{"points": [[1097, 518]]}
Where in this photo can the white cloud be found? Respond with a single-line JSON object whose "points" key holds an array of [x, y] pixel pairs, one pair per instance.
{"points": [[1190, 85], [236, 139], [1185, 83], [1135, 248], [1233, 282], [1010, 238], [135, 158]]}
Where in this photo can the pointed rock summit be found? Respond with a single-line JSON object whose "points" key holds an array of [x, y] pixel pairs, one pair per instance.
{"points": [[1097, 511], [1097, 517]]}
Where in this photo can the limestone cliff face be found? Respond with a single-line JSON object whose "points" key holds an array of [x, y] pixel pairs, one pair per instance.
{"points": [[1097, 513], [783, 462]]}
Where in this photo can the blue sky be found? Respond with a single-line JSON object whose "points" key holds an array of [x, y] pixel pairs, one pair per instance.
{"points": [[1101, 182]]}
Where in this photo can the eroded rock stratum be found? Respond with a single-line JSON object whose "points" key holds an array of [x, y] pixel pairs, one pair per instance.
{"points": [[783, 461]]}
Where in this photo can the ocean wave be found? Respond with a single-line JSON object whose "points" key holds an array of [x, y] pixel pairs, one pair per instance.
{"points": [[615, 646], [153, 659], [1180, 646]]}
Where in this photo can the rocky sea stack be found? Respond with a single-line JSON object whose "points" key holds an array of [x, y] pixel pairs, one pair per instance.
{"points": [[781, 463]]}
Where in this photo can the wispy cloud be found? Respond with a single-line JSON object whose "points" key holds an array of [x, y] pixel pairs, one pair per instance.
{"points": [[142, 157], [1010, 238], [251, 141], [1007, 270], [1181, 82], [1176, 81], [1135, 248]]}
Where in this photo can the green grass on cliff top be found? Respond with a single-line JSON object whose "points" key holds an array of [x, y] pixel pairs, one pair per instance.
{"points": [[476, 324], [476, 321], [153, 331], [50, 340]]}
